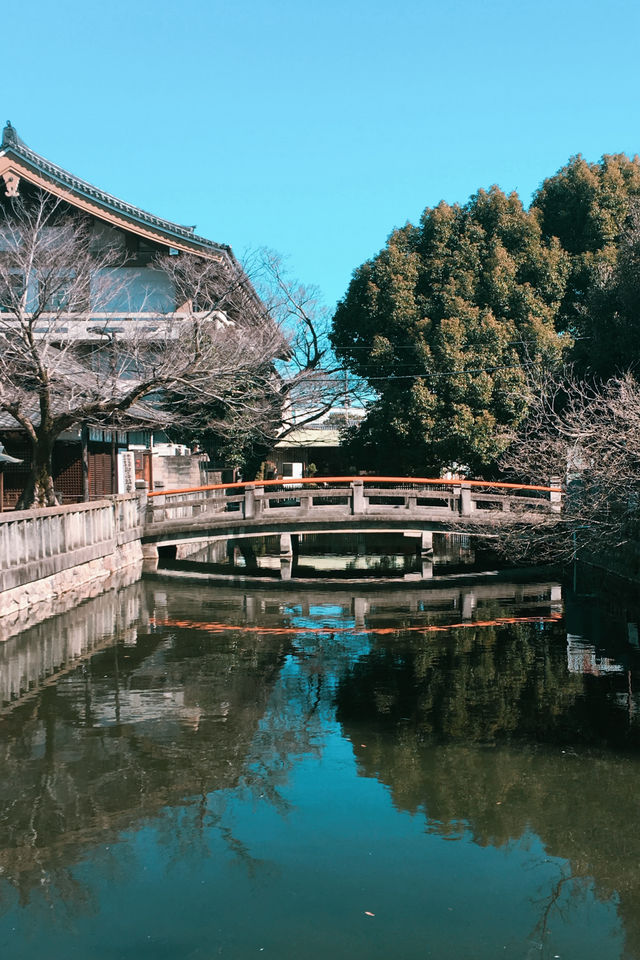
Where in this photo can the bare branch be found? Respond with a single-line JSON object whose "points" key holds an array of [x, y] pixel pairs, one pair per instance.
{"points": [[586, 437]]}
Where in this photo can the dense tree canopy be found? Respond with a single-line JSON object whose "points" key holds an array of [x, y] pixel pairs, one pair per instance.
{"points": [[610, 344], [443, 324], [592, 209]]}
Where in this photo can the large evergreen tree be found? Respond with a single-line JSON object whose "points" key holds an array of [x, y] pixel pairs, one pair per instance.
{"points": [[443, 324], [591, 208]]}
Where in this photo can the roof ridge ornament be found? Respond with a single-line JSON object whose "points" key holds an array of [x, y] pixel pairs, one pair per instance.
{"points": [[10, 136]]}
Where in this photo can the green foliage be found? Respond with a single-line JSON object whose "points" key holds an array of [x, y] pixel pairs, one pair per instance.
{"points": [[587, 207], [442, 323], [613, 310]]}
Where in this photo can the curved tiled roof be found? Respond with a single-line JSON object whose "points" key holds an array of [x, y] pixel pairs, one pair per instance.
{"points": [[13, 145]]}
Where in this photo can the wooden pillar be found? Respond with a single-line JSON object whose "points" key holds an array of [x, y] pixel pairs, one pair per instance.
{"points": [[84, 457], [114, 462], [150, 477]]}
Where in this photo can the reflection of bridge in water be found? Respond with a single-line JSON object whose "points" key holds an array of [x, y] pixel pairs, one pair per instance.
{"points": [[45, 653], [342, 505]]}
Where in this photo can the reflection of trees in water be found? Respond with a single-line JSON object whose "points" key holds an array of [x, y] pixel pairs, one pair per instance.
{"points": [[487, 684], [292, 727], [489, 733], [183, 723]]}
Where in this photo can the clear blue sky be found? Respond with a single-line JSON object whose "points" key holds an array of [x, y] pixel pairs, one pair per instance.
{"points": [[315, 128]]}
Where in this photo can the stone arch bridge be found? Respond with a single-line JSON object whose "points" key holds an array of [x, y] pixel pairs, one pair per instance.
{"points": [[423, 506]]}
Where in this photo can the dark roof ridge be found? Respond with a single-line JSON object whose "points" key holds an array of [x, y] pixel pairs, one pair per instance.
{"points": [[12, 142]]}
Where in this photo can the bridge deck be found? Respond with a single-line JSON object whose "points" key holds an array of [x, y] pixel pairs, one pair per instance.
{"points": [[341, 505]]}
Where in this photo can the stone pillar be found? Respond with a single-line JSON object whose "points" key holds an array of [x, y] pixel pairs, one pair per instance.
{"points": [[144, 515], [426, 542], [149, 556], [467, 604], [466, 505], [427, 567], [250, 608], [286, 566], [150, 551], [286, 546], [249, 504], [357, 497], [360, 608], [555, 498]]}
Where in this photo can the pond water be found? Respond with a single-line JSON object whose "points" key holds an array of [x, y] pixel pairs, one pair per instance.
{"points": [[196, 771]]}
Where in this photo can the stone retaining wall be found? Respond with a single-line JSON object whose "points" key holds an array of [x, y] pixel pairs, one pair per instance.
{"points": [[47, 553]]}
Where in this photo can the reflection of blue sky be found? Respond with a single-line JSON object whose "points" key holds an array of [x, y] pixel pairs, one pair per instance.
{"points": [[245, 877], [331, 652], [326, 610]]}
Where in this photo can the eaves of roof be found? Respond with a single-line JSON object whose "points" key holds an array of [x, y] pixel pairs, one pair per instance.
{"points": [[66, 185]]}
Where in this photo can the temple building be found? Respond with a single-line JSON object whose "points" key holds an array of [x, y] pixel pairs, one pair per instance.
{"points": [[88, 460]]}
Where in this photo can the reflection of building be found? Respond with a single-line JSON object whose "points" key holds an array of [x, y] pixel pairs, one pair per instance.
{"points": [[32, 658], [583, 658], [141, 294], [140, 691]]}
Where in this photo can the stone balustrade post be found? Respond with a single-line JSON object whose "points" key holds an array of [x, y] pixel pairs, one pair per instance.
{"points": [[249, 503], [142, 491], [466, 503], [358, 504], [555, 499]]}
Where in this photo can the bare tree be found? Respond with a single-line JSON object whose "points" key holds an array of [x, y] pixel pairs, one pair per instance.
{"points": [[312, 381], [587, 437], [304, 382], [78, 346]]}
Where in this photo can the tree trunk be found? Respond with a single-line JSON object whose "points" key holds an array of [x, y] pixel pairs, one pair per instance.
{"points": [[38, 491]]}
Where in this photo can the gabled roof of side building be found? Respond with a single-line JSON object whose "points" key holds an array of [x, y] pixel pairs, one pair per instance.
{"points": [[18, 161]]}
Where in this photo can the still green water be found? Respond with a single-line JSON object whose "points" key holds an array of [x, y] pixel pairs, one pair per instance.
{"points": [[204, 772]]}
